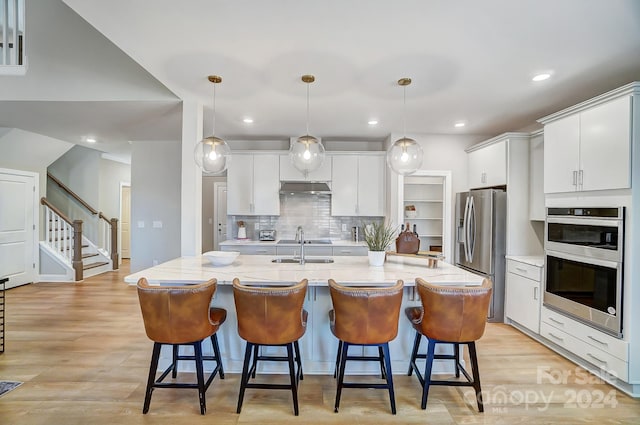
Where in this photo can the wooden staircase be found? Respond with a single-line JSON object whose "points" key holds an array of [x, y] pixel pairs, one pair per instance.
{"points": [[65, 241]]}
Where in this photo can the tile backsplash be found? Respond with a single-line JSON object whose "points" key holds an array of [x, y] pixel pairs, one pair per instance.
{"points": [[312, 212]]}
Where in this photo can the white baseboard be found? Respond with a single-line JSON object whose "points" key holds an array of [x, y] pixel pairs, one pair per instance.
{"points": [[46, 278]]}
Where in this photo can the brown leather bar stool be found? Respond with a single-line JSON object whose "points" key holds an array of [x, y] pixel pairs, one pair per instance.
{"points": [[271, 316], [365, 316], [453, 315], [181, 315]]}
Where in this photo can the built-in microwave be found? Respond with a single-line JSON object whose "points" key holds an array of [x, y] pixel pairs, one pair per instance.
{"points": [[584, 265]]}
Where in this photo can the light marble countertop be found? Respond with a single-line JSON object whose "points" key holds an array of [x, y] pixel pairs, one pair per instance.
{"points": [[337, 243], [534, 260], [345, 270]]}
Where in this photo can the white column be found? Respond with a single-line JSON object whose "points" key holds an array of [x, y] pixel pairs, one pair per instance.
{"points": [[191, 198]]}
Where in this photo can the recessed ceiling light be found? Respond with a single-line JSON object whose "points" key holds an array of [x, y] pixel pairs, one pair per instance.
{"points": [[90, 140], [541, 77], [372, 122], [248, 120], [460, 124]]}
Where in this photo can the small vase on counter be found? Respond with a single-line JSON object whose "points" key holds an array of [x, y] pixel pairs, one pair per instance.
{"points": [[378, 237]]}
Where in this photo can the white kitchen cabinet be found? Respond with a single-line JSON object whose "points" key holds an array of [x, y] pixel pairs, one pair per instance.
{"points": [[589, 149], [523, 294], [253, 184], [290, 173], [251, 249], [536, 177], [357, 187], [349, 250], [488, 166]]}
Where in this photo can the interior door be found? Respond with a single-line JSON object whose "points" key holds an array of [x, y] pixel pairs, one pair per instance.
{"points": [[220, 215], [18, 255], [125, 222]]}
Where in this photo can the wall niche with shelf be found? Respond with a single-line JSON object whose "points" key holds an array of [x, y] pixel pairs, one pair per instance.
{"points": [[423, 206]]}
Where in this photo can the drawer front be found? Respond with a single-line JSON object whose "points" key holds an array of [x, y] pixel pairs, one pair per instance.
{"points": [[524, 270], [603, 360], [252, 249], [308, 250], [349, 250], [614, 346]]}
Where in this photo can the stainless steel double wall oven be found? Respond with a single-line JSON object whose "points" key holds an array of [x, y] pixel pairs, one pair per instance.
{"points": [[584, 265]]}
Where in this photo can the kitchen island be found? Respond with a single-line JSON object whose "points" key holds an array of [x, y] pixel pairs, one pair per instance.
{"points": [[318, 345]]}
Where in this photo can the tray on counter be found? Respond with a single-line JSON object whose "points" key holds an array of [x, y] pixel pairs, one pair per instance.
{"points": [[431, 257]]}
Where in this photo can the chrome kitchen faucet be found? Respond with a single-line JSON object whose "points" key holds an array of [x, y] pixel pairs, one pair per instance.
{"points": [[300, 239]]}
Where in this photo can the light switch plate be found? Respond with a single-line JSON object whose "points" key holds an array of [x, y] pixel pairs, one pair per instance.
{"points": [[344, 227], [141, 225], [157, 224]]}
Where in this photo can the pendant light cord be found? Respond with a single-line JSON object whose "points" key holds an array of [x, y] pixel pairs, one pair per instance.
{"points": [[404, 112], [213, 129], [307, 109]]}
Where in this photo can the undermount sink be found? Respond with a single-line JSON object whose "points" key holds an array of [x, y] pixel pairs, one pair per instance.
{"points": [[306, 260], [306, 242]]}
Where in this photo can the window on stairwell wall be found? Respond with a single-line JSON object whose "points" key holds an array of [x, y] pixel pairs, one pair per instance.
{"points": [[12, 37]]}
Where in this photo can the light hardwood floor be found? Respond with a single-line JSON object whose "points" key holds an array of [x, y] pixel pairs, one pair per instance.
{"points": [[83, 356]]}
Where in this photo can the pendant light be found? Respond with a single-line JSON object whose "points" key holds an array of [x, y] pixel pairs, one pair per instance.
{"points": [[307, 153], [405, 155], [213, 154]]}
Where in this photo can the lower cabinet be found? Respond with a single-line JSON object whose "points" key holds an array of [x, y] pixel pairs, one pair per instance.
{"points": [[324, 251], [607, 353], [349, 250], [251, 249], [523, 294]]}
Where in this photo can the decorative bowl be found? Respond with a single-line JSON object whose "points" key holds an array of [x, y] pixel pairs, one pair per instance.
{"points": [[221, 258]]}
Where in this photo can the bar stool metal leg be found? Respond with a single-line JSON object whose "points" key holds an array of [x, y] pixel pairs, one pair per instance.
{"points": [[414, 353], [292, 376], [245, 375], [427, 373], [174, 372], [216, 353], [197, 351], [476, 374], [155, 355], [389, 375]]}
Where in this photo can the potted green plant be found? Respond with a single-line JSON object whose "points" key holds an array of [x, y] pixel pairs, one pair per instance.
{"points": [[378, 237]]}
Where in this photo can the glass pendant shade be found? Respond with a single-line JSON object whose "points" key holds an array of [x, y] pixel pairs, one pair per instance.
{"points": [[405, 156], [306, 154], [212, 155]]}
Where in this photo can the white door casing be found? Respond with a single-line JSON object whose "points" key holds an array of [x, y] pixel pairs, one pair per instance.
{"points": [[220, 214], [19, 255]]}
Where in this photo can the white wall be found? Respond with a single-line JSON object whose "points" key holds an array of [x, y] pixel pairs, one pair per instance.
{"points": [[72, 61], [155, 196]]}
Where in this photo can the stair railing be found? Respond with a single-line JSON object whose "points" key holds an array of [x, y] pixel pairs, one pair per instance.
{"points": [[107, 228], [63, 236]]}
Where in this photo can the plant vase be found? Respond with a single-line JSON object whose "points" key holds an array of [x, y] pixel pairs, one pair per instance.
{"points": [[376, 258]]}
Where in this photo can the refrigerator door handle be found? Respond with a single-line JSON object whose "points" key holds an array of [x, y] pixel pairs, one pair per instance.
{"points": [[465, 230], [472, 229]]}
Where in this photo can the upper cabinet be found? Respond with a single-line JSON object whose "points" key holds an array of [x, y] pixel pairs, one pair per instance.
{"points": [[536, 177], [290, 173], [488, 165], [357, 185], [253, 184], [588, 146]]}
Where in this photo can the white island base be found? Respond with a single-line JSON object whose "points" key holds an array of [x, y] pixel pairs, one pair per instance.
{"points": [[318, 347]]}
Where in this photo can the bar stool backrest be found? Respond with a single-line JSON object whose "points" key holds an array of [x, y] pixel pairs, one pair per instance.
{"points": [[270, 315], [177, 314], [454, 314], [366, 315]]}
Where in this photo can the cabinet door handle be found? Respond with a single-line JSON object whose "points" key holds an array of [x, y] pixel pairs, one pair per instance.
{"points": [[556, 321], [521, 270], [596, 359], [535, 292], [575, 178], [598, 341], [556, 337], [580, 177]]}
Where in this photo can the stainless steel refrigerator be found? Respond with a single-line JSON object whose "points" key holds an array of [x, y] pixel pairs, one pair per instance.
{"points": [[481, 239]]}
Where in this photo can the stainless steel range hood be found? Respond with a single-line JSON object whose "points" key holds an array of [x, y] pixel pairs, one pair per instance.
{"points": [[312, 188]]}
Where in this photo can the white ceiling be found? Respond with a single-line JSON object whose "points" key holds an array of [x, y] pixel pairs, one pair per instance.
{"points": [[469, 60]]}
